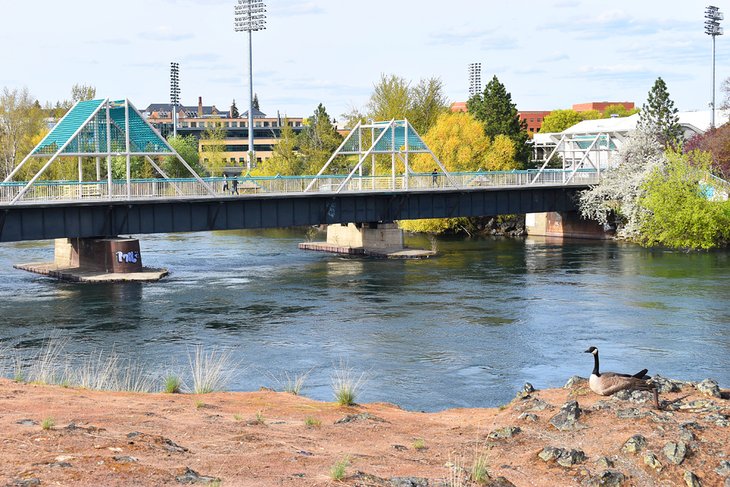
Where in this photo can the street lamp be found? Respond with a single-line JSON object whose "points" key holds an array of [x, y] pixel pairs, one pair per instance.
{"points": [[174, 94], [713, 16], [250, 15]]}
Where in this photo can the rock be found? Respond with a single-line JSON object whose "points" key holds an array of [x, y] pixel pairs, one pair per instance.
{"points": [[190, 476], [607, 478], [675, 452], [718, 419], [400, 447], [634, 444], [709, 387], [686, 435], [724, 469], [576, 381], [527, 389], [550, 453], [528, 417], [503, 433], [173, 447], [567, 418], [691, 424], [604, 462], [25, 482], [409, 482], [664, 385], [631, 413], [27, 422], [499, 482], [691, 479], [638, 397], [563, 457], [125, 459], [363, 478], [359, 417], [571, 457], [651, 460]]}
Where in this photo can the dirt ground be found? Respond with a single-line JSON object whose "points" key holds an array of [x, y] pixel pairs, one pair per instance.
{"points": [[271, 438]]}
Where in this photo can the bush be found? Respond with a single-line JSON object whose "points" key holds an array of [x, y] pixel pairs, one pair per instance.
{"points": [[679, 212]]}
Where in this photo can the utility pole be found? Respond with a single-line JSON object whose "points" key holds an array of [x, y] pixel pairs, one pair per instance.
{"points": [[713, 16]]}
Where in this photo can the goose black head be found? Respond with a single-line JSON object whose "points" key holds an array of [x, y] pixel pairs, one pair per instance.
{"points": [[592, 350]]}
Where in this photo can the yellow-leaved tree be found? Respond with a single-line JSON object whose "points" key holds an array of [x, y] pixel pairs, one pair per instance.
{"points": [[458, 140], [502, 154]]}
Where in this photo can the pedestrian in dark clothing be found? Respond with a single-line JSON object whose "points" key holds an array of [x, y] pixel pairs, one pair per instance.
{"points": [[434, 178], [234, 186]]}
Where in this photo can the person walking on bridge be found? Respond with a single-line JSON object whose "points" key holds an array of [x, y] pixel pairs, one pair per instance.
{"points": [[434, 177], [234, 185], [225, 183]]}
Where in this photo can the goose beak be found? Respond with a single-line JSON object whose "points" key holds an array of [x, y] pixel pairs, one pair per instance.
{"points": [[587, 351]]}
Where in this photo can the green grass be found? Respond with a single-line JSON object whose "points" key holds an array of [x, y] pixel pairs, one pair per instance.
{"points": [[479, 470], [346, 384], [173, 384], [211, 371], [419, 444], [312, 422], [48, 424], [260, 417], [339, 469], [199, 404], [237, 417]]}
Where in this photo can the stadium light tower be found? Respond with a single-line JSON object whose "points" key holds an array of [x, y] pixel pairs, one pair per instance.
{"points": [[174, 94], [250, 16], [713, 16]]}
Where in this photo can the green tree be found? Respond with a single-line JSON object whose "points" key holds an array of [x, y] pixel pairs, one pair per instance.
{"points": [[559, 120], [619, 111], [187, 148], [318, 140], [390, 99], [213, 147], [82, 92], [495, 109], [679, 213], [658, 116], [21, 121], [285, 160], [234, 110], [426, 103]]}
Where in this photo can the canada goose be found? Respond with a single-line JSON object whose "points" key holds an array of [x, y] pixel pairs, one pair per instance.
{"points": [[608, 383]]}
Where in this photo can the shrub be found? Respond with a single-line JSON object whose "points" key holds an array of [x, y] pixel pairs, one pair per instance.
{"points": [[346, 385], [338, 470]]}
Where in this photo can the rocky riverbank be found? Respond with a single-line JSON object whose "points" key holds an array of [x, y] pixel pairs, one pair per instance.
{"points": [[61, 436]]}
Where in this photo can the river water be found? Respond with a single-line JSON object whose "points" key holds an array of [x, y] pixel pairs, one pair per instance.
{"points": [[465, 329]]}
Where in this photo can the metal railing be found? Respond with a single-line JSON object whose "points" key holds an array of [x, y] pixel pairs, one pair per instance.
{"points": [[63, 191]]}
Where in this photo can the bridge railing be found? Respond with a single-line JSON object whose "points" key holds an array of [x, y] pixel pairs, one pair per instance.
{"points": [[57, 191]]}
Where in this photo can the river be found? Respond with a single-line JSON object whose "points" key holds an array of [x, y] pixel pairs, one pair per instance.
{"points": [[465, 329]]}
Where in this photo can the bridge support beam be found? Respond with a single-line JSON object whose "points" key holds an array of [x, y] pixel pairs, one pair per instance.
{"points": [[375, 239], [567, 224], [110, 259], [114, 255]]}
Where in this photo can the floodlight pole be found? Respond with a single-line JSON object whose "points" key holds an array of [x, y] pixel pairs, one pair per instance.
{"points": [[250, 15], [713, 16], [174, 93]]}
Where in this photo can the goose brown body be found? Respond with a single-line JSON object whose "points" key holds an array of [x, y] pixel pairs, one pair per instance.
{"points": [[609, 383]]}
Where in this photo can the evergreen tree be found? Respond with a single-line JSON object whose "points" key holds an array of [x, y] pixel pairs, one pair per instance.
{"points": [[256, 101], [494, 108], [234, 110], [658, 116], [318, 140]]}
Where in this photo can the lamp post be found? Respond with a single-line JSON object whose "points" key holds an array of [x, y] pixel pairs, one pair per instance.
{"points": [[250, 16], [174, 94], [713, 16]]}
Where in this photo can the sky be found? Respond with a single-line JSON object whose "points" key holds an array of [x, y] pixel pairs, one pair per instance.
{"points": [[549, 54]]}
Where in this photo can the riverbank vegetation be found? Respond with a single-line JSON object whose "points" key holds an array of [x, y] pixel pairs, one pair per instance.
{"points": [[659, 193]]}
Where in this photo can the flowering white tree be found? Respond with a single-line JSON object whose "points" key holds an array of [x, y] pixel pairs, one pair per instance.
{"points": [[617, 196]]}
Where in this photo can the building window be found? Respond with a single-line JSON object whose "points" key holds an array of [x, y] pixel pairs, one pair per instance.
{"points": [[257, 124], [205, 160], [233, 160], [193, 124], [539, 119], [240, 159]]}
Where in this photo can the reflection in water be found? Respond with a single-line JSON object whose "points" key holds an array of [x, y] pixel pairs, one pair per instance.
{"points": [[464, 329]]}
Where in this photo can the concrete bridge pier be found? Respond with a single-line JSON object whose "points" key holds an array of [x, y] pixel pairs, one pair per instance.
{"points": [[375, 239], [106, 259], [566, 224]]}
